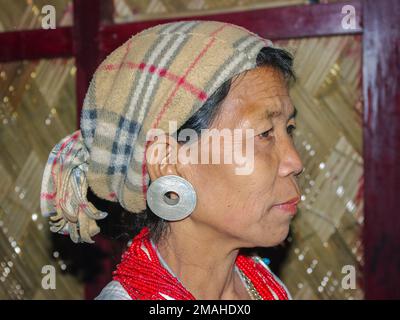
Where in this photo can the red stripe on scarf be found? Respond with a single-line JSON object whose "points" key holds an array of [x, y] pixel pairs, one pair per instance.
{"points": [[56, 158], [163, 73]]}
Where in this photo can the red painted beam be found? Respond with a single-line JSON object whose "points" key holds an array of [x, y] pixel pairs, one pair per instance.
{"points": [[35, 44], [274, 23], [381, 134]]}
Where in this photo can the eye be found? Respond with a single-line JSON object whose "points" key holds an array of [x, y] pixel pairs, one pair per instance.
{"points": [[290, 129], [266, 134]]}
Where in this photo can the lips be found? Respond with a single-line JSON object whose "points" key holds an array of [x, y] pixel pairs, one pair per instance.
{"points": [[289, 206]]}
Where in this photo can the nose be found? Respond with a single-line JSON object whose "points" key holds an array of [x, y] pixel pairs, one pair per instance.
{"points": [[290, 162]]}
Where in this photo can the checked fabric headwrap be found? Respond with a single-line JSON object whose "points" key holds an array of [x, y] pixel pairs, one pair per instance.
{"points": [[161, 74]]}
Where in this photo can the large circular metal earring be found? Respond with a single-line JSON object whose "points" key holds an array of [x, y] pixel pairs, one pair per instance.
{"points": [[161, 201]]}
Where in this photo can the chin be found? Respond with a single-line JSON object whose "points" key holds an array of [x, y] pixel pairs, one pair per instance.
{"points": [[276, 239]]}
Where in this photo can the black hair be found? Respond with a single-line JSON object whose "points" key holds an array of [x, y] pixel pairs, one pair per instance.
{"points": [[277, 58]]}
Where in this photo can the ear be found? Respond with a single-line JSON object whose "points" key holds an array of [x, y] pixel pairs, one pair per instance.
{"points": [[161, 156]]}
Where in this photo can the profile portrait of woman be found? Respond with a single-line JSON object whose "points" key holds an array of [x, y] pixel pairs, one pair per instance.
{"points": [[147, 141]]}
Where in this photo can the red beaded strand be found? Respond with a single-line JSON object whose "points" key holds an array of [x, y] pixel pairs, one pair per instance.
{"points": [[263, 281], [143, 276]]}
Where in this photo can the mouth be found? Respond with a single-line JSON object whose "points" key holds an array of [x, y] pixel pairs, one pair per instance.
{"points": [[289, 206]]}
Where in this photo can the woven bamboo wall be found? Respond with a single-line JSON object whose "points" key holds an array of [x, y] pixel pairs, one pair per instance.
{"points": [[37, 109], [134, 10], [26, 14], [326, 233]]}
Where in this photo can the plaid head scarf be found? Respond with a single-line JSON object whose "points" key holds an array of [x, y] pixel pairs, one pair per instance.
{"points": [[161, 74]]}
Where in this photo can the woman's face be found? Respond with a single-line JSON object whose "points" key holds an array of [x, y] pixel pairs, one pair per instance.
{"points": [[244, 207]]}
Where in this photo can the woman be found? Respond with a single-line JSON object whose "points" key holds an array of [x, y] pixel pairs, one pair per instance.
{"points": [[202, 201]]}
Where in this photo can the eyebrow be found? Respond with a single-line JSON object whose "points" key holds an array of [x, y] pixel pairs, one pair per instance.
{"points": [[275, 114]]}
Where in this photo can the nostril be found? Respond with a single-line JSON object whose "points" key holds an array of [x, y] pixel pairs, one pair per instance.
{"points": [[299, 172]]}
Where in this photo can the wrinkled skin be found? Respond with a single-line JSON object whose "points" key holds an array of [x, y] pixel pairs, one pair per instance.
{"points": [[236, 211]]}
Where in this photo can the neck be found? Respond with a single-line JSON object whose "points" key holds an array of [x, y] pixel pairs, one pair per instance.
{"points": [[203, 267]]}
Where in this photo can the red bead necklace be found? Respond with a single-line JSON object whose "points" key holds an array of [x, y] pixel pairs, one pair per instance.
{"points": [[144, 278]]}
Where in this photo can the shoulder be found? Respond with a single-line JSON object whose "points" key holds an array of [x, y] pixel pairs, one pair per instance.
{"points": [[113, 291], [261, 261]]}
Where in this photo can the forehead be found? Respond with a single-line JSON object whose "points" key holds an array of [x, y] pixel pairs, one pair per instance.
{"points": [[263, 82], [256, 94]]}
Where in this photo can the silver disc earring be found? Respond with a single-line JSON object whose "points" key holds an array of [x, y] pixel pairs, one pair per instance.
{"points": [[167, 208]]}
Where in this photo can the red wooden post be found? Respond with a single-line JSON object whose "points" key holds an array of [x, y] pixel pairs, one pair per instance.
{"points": [[381, 85], [88, 16], [85, 32]]}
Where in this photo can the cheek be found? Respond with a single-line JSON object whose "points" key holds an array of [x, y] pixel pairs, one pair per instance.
{"points": [[232, 201], [266, 165], [242, 211], [256, 193], [227, 201]]}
